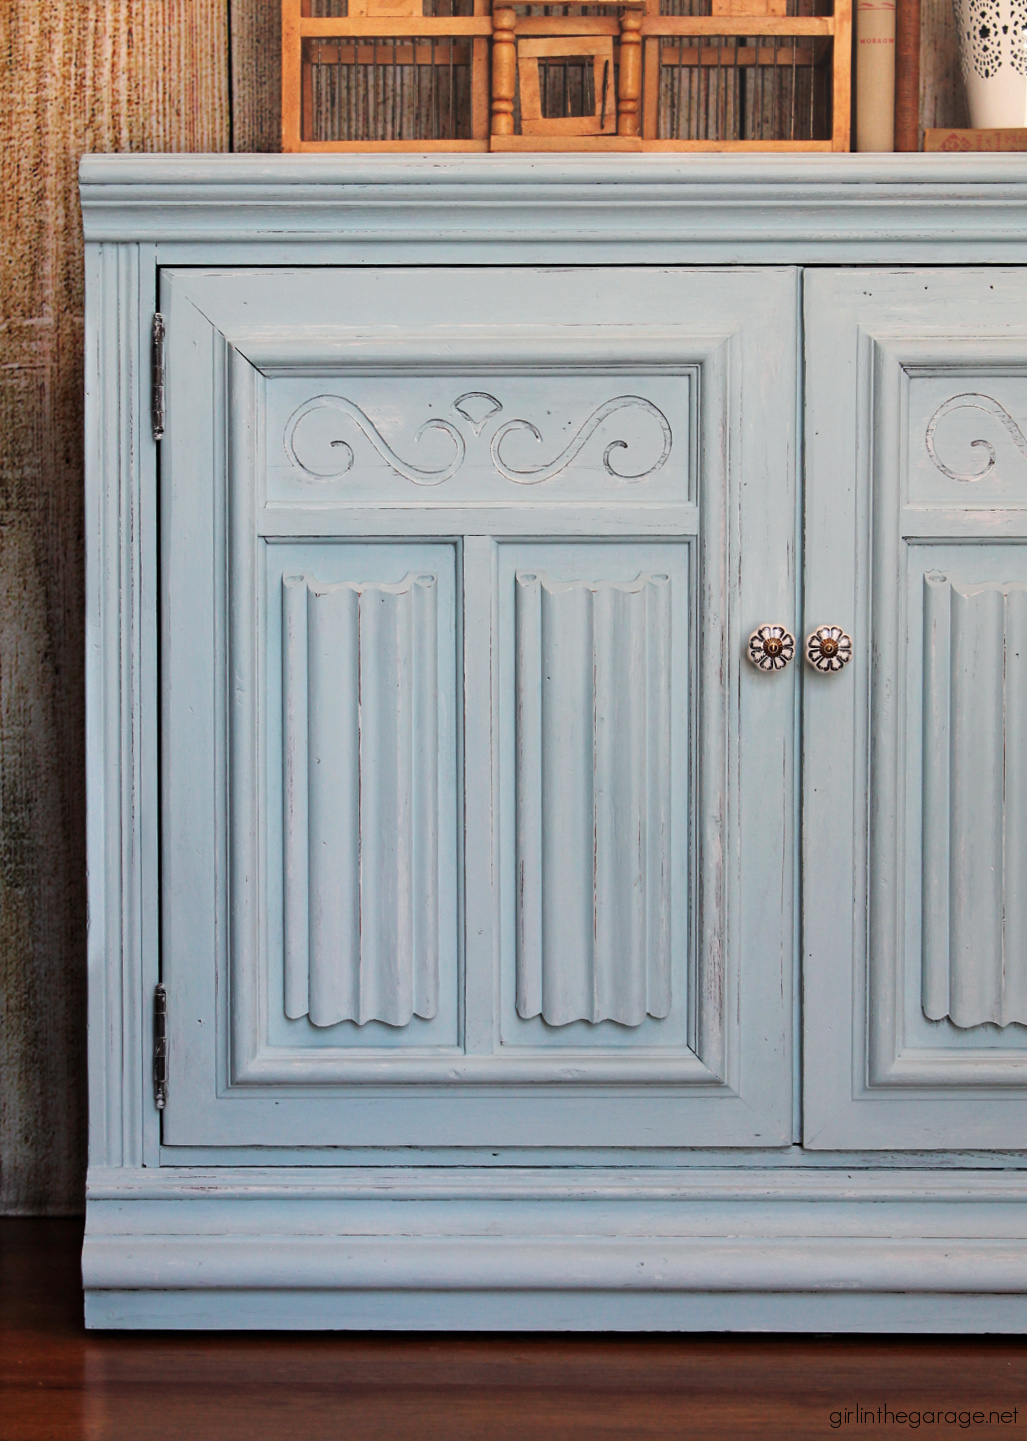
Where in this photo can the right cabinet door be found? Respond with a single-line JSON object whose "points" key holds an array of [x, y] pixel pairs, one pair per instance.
{"points": [[915, 801]]}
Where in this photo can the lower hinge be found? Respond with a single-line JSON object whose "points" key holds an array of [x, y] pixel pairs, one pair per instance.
{"points": [[157, 376], [160, 1047]]}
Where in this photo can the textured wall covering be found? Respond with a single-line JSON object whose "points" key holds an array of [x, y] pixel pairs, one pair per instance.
{"points": [[256, 75], [91, 75]]}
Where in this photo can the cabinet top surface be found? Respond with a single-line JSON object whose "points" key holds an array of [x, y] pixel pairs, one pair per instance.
{"points": [[705, 208]]}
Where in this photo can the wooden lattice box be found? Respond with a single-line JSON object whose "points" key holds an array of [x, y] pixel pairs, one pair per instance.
{"points": [[635, 75]]}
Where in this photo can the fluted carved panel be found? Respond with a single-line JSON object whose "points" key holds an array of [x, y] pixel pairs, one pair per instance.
{"points": [[593, 677], [360, 698], [975, 802]]}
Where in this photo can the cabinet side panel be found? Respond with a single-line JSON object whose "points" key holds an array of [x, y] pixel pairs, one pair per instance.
{"points": [[120, 696]]}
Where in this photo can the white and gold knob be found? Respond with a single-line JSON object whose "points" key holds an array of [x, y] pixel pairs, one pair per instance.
{"points": [[828, 649], [771, 647]]}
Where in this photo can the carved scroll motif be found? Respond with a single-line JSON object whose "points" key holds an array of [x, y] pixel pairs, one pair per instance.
{"points": [[366, 427], [973, 400], [534, 476], [319, 460]]}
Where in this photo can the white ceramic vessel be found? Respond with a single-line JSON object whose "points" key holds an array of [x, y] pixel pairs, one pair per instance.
{"points": [[993, 51]]}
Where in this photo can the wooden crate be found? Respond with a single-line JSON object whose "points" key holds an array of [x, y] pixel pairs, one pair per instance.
{"points": [[641, 80]]}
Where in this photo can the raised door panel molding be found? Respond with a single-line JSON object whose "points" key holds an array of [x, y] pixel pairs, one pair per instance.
{"points": [[593, 799], [975, 802], [599, 791], [361, 885], [348, 946]]}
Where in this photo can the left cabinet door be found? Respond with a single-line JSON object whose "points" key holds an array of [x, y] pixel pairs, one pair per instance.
{"points": [[477, 825]]}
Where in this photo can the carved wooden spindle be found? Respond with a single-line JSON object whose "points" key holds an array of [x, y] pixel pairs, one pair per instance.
{"points": [[630, 86], [504, 71]]}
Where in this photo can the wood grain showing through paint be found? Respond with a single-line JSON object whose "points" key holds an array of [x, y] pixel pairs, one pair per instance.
{"points": [[99, 75]]}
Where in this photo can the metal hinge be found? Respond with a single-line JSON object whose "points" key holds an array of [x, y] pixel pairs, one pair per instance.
{"points": [[160, 1047], [157, 400]]}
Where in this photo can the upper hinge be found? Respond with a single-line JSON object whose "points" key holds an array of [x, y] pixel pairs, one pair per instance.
{"points": [[160, 1047], [157, 400]]}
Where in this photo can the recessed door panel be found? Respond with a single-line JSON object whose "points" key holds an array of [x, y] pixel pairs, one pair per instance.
{"points": [[974, 788], [360, 936], [597, 775]]}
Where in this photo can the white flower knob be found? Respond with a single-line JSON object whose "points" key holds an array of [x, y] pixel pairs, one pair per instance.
{"points": [[828, 648], [771, 647]]}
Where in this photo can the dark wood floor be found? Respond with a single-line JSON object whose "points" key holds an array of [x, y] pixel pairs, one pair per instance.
{"points": [[58, 1383]]}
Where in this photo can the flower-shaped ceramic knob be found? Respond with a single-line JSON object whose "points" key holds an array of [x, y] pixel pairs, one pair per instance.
{"points": [[828, 648], [771, 647]]}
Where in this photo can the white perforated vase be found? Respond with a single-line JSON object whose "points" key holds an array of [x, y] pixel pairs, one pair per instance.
{"points": [[993, 51]]}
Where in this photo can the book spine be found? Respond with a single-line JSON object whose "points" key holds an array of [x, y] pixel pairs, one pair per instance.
{"points": [[907, 75], [875, 75]]}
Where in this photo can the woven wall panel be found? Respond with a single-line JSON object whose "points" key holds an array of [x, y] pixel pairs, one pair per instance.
{"points": [[93, 75]]}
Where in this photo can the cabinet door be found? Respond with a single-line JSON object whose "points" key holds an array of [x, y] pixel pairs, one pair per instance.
{"points": [[477, 826], [916, 753]]}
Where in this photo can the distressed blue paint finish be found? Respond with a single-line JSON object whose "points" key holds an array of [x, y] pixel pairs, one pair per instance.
{"points": [[523, 1120], [975, 801], [597, 795], [660, 209], [360, 775], [360, 799], [915, 545], [358, 764], [594, 846]]}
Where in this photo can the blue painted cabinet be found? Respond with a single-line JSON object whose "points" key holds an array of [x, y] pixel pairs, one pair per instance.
{"points": [[557, 704]]}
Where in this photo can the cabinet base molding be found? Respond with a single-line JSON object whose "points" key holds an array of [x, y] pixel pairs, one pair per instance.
{"points": [[936, 1251], [254, 1310]]}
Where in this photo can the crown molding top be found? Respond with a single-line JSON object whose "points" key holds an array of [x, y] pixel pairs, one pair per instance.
{"points": [[968, 208]]}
